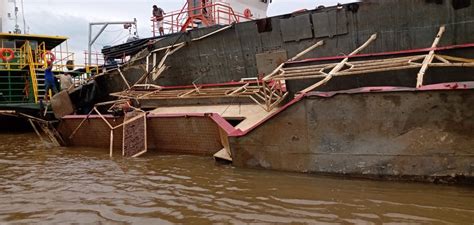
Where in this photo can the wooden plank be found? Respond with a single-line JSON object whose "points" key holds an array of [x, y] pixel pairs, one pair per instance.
{"points": [[299, 55], [103, 118], [304, 52], [429, 58], [339, 66], [80, 125], [111, 152], [123, 77], [35, 129]]}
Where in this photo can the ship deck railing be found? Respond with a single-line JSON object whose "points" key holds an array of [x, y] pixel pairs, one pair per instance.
{"points": [[205, 15]]}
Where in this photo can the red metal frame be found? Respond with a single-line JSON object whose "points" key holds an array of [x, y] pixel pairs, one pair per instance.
{"points": [[96, 57], [187, 17]]}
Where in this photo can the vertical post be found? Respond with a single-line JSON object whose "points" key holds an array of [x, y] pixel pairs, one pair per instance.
{"points": [[61, 55], [429, 58], [111, 142], [67, 50], [90, 45]]}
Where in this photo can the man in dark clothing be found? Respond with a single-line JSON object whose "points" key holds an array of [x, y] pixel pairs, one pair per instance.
{"points": [[158, 16], [49, 81]]}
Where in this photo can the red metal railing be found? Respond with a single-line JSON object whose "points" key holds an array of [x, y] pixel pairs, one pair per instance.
{"points": [[206, 15], [97, 58]]}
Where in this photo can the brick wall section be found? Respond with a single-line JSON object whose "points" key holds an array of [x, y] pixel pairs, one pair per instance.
{"points": [[93, 133], [196, 135], [191, 135]]}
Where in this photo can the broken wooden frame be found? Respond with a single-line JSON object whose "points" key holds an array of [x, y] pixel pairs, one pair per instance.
{"points": [[429, 57], [46, 126], [266, 94], [299, 55], [372, 66], [143, 115], [338, 67], [345, 68]]}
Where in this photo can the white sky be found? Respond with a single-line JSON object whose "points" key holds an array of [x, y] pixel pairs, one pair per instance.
{"points": [[71, 17]]}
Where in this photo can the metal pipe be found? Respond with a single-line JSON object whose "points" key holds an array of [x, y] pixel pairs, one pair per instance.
{"points": [[105, 24]]}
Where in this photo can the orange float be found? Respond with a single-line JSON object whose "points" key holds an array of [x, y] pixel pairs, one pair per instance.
{"points": [[10, 57], [51, 55]]}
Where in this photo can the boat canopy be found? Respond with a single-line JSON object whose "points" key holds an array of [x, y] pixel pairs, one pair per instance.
{"points": [[50, 41]]}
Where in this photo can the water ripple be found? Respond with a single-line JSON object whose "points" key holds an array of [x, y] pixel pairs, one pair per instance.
{"points": [[42, 184]]}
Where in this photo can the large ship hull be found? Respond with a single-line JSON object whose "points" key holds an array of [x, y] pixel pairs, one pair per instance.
{"points": [[364, 114], [390, 133]]}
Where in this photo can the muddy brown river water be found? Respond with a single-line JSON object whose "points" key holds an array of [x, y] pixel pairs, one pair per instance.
{"points": [[47, 185]]}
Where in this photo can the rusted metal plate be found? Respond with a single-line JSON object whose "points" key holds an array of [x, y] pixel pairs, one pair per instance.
{"points": [[134, 134], [268, 61], [330, 23], [292, 32]]}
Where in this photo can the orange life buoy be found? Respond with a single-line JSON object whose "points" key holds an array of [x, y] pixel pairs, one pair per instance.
{"points": [[52, 57], [11, 54], [247, 13]]}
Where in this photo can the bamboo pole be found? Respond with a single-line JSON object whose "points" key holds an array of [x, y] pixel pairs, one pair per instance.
{"points": [[36, 130], [344, 73], [111, 151], [304, 52], [452, 65], [442, 59], [128, 121], [237, 90], [212, 33], [339, 66], [123, 77], [299, 55], [103, 118], [111, 102], [458, 59], [429, 58], [80, 124]]}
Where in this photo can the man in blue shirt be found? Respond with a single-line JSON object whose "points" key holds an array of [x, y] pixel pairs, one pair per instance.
{"points": [[49, 81]]}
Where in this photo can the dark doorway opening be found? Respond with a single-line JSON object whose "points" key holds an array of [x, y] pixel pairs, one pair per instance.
{"points": [[234, 121]]}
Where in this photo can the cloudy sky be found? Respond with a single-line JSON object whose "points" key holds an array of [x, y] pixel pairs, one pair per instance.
{"points": [[71, 17]]}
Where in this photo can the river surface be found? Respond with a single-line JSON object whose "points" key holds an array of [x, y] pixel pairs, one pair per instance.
{"points": [[47, 185]]}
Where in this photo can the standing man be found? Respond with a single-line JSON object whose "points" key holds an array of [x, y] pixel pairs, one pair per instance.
{"points": [[66, 81], [158, 16], [49, 81]]}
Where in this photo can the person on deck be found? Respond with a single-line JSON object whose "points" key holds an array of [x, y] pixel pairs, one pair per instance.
{"points": [[49, 81], [158, 16], [65, 81]]}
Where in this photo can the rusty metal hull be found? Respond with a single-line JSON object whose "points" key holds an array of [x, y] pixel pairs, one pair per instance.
{"points": [[388, 133], [424, 136]]}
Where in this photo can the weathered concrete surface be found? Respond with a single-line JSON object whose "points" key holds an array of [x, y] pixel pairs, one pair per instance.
{"points": [[232, 54], [409, 135]]}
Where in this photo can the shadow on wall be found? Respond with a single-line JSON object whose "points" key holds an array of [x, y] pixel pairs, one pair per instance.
{"points": [[457, 4]]}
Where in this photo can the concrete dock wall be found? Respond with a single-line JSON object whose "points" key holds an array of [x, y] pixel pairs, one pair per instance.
{"points": [[411, 135]]}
